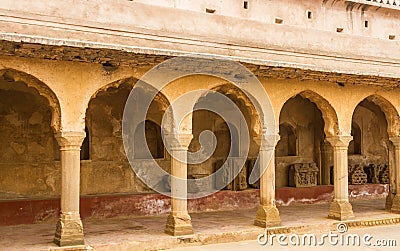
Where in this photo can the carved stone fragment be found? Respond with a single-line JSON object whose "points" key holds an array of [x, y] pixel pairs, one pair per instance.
{"points": [[303, 175], [357, 175]]}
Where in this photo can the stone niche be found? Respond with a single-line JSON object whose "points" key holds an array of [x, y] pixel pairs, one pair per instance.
{"points": [[303, 175]]}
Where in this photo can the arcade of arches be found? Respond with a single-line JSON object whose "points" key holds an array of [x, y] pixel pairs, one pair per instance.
{"points": [[318, 139]]}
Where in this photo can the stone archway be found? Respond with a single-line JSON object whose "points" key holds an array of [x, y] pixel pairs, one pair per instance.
{"points": [[14, 76], [298, 152], [376, 163], [108, 158], [329, 114], [224, 131], [30, 114]]}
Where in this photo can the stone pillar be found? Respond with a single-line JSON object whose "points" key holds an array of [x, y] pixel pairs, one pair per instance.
{"points": [[69, 229], [396, 199], [326, 163], [392, 177], [267, 213], [179, 221], [340, 208]]}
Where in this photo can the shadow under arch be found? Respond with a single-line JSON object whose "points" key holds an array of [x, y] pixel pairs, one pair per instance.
{"points": [[329, 115], [153, 139], [388, 114], [123, 88], [391, 115], [12, 75], [248, 106], [287, 144], [245, 100], [130, 82]]}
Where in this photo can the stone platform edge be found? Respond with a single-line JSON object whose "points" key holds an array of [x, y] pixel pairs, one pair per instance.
{"points": [[230, 236]]}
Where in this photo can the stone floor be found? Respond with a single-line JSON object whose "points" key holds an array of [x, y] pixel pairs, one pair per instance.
{"points": [[146, 233]]}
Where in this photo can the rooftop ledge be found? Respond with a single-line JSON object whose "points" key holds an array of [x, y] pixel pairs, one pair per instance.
{"points": [[388, 4]]}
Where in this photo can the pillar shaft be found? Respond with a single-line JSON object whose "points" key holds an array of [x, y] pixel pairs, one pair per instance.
{"points": [[396, 199], [341, 173], [392, 177], [267, 180], [179, 186], [341, 208], [326, 163], [179, 221], [69, 230], [267, 213]]}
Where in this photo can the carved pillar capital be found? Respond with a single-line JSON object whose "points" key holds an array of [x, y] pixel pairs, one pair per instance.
{"points": [[267, 142], [326, 144], [395, 140], [339, 142], [178, 141], [70, 140]]}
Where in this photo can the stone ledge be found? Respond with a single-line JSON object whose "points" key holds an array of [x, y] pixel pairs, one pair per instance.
{"points": [[127, 57], [71, 248]]}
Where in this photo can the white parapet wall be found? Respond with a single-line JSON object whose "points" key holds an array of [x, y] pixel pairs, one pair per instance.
{"points": [[356, 37]]}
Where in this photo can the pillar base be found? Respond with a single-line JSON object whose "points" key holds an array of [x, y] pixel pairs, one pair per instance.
{"points": [[389, 201], [396, 204], [69, 232], [267, 216], [341, 210], [179, 225]]}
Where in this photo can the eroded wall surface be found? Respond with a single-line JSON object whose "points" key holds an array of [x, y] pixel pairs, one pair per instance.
{"points": [[28, 146]]}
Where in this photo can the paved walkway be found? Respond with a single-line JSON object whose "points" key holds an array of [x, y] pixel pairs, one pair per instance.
{"points": [[382, 238], [146, 233]]}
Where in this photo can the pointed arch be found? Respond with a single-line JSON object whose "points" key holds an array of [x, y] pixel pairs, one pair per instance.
{"points": [[12, 75], [391, 114], [329, 114], [244, 100], [161, 99]]}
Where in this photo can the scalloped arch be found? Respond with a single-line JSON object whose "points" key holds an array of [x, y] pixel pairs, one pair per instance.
{"points": [[329, 114], [41, 88]]}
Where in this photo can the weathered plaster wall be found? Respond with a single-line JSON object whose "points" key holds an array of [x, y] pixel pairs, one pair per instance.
{"points": [[82, 80], [296, 13], [254, 35], [29, 156], [327, 96], [27, 147]]}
